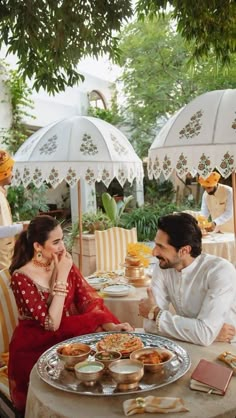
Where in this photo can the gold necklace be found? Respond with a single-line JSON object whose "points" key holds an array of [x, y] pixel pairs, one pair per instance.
{"points": [[46, 264]]}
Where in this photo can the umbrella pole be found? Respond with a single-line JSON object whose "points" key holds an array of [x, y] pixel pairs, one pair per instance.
{"points": [[234, 199], [80, 228]]}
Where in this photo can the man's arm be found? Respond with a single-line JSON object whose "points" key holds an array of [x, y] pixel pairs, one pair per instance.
{"points": [[205, 328], [204, 209], [10, 230]]}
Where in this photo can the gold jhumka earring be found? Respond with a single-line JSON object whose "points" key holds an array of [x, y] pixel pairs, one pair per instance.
{"points": [[37, 261]]}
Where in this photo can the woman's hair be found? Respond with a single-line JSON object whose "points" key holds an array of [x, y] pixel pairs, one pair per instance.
{"points": [[182, 229], [38, 231]]}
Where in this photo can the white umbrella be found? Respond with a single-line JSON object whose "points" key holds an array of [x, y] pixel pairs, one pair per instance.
{"points": [[198, 138], [74, 148]]}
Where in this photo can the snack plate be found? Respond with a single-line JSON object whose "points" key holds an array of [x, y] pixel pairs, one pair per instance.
{"points": [[97, 282], [117, 290], [51, 369]]}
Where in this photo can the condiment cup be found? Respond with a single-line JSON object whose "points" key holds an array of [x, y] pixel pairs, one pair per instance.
{"points": [[107, 357], [71, 359], [126, 373], [166, 357], [89, 372]]}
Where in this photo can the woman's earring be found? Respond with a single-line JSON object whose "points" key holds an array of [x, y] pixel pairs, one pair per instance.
{"points": [[39, 256]]}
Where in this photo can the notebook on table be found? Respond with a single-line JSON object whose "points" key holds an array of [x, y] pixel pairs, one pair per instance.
{"points": [[210, 377]]}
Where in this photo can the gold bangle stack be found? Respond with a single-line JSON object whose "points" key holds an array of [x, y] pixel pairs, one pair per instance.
{"points": [[60, 289]]}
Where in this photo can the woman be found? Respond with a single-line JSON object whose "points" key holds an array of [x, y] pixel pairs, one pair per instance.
{"points": [[54, 301]]}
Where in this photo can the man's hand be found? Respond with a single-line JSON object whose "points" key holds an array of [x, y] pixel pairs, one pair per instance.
{"points": [[145, 305], [226, 333]]}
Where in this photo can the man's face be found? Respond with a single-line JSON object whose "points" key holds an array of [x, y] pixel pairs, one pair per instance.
{"points": [[167, 255], [210, 190]]}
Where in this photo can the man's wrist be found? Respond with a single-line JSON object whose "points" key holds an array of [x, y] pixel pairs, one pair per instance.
{"points": [[152, 314]]}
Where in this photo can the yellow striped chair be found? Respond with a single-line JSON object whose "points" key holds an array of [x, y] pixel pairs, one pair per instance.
{"points": [[8, 321], [111, 247]]}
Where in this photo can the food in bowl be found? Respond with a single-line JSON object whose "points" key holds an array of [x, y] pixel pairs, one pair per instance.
{"points": [[126, 373], [107, 357], [154, 359], [73, 353], [89, 372], [122, 342]]}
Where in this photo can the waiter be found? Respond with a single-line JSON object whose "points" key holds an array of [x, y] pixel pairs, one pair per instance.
{"points": [[6, 244], [217, 202]]}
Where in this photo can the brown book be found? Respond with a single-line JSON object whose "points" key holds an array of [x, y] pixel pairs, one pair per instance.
{"points": [[210, 377]]}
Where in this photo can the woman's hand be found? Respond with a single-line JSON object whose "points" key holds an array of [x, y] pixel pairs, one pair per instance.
{"points": [[63, 264], [125, 326]]}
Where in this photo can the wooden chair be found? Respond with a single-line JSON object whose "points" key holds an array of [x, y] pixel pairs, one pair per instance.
{"points": [[111, 247], [8, 322]]}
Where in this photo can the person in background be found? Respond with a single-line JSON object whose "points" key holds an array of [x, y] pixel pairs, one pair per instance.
{"points": [[201, 287], [7, 233], [217, 202], [54, 301]]}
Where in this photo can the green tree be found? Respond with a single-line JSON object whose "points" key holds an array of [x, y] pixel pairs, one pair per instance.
{"points": [[50, 37], [18, 95], [158, 79], [210, 24]]}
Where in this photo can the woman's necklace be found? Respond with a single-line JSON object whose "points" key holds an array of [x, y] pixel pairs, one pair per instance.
{"points": [[46, 265]]}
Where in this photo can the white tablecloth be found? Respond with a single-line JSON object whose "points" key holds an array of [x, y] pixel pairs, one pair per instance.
{"points": [[222, 245], [126, 307]]}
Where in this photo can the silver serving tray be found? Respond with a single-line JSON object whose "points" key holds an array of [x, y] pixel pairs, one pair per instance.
{"points": [[52, 371]]}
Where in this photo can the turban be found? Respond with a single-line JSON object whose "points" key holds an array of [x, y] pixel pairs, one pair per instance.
{"points": [[210, 181], [6, 164]]}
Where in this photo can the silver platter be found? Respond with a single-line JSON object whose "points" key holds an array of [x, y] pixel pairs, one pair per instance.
{"points": [[52, 371]]}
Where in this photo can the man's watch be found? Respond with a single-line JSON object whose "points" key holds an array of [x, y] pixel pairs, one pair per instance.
{"points": [[151, 313]]}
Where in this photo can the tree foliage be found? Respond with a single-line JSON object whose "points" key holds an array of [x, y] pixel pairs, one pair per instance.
{"points": [[50, 37], [18, 95], [210, 24], [158, 79]]}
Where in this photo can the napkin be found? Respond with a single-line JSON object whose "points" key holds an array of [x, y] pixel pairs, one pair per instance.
{"points": [[153, 404], [228, 358]]}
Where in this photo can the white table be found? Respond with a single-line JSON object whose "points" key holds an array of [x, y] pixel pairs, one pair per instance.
{"points": [[222, 245], [48, 402]]}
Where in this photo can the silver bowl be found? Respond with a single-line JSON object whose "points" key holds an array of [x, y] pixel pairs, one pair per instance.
{"points": [[126, 373], [89, 372], [73, 353], [154, 359]]}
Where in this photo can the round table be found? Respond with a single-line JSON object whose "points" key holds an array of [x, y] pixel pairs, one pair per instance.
{"points": [[125, 308], [221, 245], [45, 401]]}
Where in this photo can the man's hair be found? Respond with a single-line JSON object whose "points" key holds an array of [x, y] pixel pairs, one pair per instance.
{"points": [[182, 229]]}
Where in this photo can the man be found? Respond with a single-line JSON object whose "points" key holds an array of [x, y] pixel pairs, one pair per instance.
{"points": [[200, 287], [217, 201], [7, 243]]}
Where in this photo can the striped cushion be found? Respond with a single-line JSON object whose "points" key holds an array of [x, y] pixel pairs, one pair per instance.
{"points": [[8, 311], [111, 247]]}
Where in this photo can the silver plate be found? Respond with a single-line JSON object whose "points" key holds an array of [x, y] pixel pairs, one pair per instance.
{"points": [[52, 371]]}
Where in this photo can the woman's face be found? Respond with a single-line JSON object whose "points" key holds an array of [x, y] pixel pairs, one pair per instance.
{"points": [[54, 244]]}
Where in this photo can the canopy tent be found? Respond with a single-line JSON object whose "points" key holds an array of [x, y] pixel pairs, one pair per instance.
{"points": [[75, 148], [197, 139]]}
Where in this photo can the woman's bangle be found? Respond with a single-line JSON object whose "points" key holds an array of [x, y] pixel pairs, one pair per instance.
{"points": [[60, 289], [60, 283], [158, 320], [59, 293]]}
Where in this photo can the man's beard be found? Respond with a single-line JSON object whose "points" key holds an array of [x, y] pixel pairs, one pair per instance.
{"points": [[213, 191], [167, 265]]}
